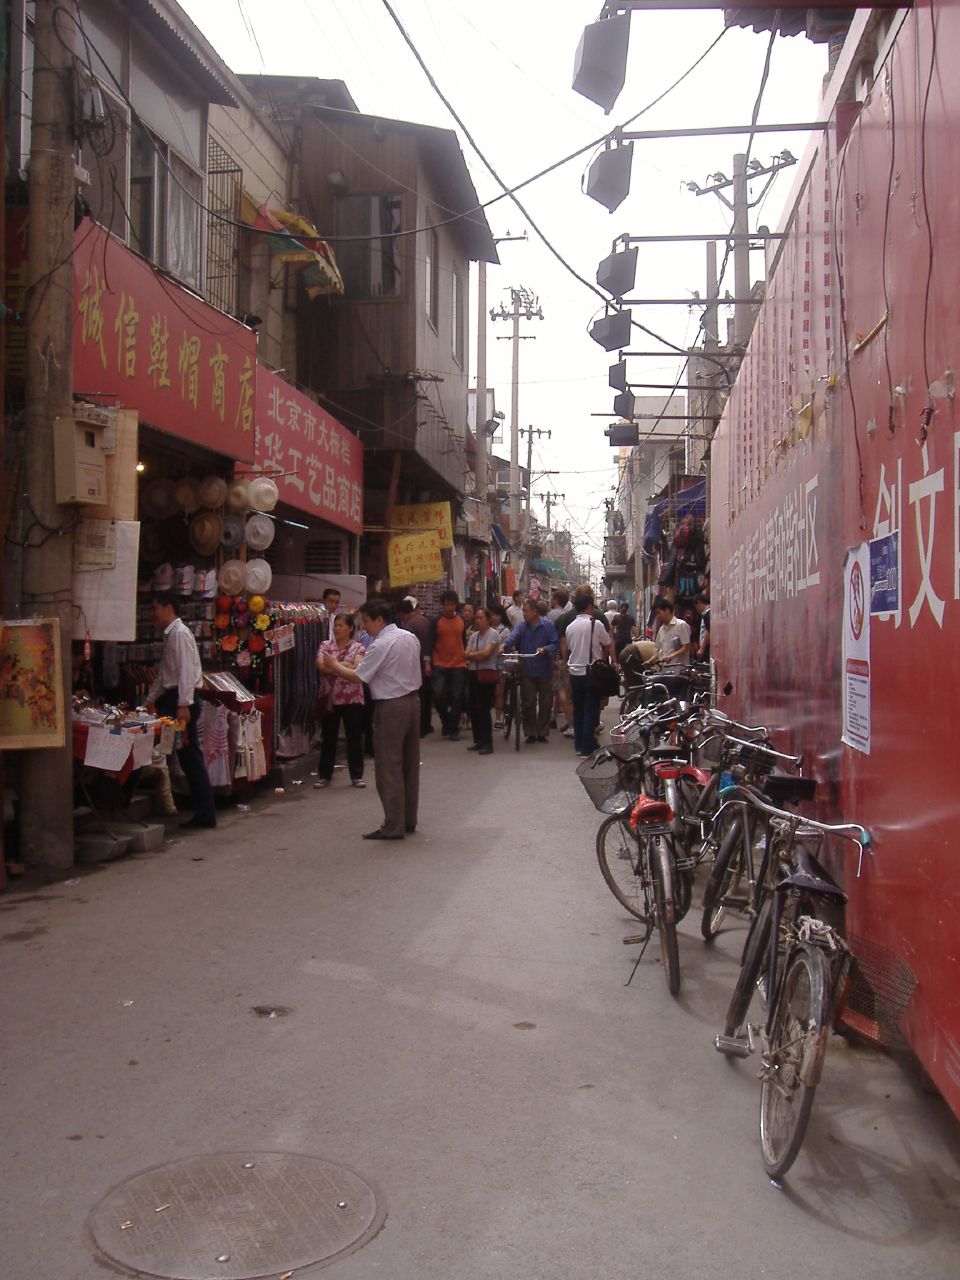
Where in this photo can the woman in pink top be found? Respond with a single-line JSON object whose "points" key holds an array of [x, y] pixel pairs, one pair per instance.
{"points": [[345, 702]]}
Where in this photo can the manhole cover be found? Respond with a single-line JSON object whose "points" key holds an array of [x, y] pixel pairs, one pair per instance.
{"points": [[235, 1217]]}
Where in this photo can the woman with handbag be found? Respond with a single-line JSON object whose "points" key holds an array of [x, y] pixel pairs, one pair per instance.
{"points": [[483, 648], [587, 647], [341, 700]]}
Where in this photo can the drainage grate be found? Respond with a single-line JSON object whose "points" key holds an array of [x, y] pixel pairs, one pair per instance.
{"points": [[237, 1216]]}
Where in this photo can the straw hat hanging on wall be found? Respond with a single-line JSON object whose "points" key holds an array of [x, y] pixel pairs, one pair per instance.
{"points": [[238, 497], [205, 532], [264, 493], [258, 577], [158, 499], [232, 536], [259, 532], [187, 494], [213, 491], [232, 577]]}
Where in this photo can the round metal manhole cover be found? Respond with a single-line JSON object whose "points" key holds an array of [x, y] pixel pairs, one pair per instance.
{"points": [[236, 1216]]}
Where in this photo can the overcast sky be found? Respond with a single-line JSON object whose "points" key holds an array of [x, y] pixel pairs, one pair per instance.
{"points": [[506, 65]]}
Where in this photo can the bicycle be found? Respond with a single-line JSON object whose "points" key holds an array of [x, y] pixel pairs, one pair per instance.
{"points": [[636, 850], [798, 960], [510, 664]]}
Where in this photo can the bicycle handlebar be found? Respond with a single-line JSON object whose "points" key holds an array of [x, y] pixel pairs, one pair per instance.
{"points": [[852, 831]]}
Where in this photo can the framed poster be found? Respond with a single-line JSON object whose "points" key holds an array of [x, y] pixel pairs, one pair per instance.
{"points": [[31, 684]]}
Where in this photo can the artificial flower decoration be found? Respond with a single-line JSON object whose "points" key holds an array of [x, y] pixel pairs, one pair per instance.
{"points": [[256, 604], [256, 643], [230, 643], [241, 619], [262, 622], [244, 659], [223, 604], [222, 621]]}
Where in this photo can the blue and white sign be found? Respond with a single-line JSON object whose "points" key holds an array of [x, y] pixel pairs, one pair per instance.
{"points": [[885, 574]]}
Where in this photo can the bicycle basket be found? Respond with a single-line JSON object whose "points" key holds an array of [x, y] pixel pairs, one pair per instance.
{"points": [[613, 777]]}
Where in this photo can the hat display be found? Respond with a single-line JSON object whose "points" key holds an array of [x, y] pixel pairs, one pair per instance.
{"points": [[238, 496], [187, 494], [162, 577], [158, 500], [153, 542], [185, 576], [213, 491], [206, 583], [259, 575], [260, 531], [264, 493], [232, 576], [232, 533], [205, 532]]}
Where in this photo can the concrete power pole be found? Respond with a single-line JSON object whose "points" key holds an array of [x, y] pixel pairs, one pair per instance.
{"points": [[742, 320], [480, 416], [530, 432], [548, 499], [523, 304], [46, 821]]}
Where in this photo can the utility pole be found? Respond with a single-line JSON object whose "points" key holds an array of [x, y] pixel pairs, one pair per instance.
{"points": [[548, 499], [46, 813], [530, 432], [480, 474], [526, 305]]}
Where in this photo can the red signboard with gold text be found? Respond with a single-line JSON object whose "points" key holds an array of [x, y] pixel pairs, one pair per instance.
{"points": [[189, 369], [317, 463]]}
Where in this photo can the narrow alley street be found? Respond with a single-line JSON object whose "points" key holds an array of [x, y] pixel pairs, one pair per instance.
{"points": [[457, 1030]]}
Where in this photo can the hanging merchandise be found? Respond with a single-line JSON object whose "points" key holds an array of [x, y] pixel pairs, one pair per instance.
{"points": [[258, 576], [187, 494], [205, 532], [232, 577], [158, 499], [238, 497], [259, 532], [231, 537], [263, 493], [213, 491]]}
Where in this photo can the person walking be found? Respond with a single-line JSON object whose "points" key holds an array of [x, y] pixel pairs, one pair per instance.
{"points": [[446, 667], [345, 704], [410, 618], [176, 693], [624, 627], [390, 669], [500, 624], [483, 648], [584, 641], [515, 609], [536, 637]]}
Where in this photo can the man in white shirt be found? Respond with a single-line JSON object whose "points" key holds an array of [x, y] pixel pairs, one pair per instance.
{"points": [[673, 637], [391, 670], [176, 693], [585, 640], [515, 610]]}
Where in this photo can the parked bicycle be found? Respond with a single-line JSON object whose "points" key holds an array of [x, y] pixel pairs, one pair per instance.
{"points": [[511, 664], [797, 959]]}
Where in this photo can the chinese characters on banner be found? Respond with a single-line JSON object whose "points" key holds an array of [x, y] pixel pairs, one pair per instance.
{"points": [[414, 558], [188, 368], [425, 515], [317, 463]]}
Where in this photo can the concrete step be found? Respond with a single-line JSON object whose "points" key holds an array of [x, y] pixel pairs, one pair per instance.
{"points": [[100, 848]]}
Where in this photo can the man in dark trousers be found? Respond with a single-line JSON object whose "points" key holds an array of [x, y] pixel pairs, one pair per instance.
{"points": [[176, 693], [446, 665], [391, 670], [410, 618], [538, 638]]}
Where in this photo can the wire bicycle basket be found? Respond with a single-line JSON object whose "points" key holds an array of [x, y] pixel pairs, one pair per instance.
{"points": [[613, 777]]}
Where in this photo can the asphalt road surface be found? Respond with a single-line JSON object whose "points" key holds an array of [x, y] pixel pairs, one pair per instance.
{"points": [[457, 1030]]}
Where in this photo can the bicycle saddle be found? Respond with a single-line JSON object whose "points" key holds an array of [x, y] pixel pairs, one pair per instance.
{"points": [[811, 877]]}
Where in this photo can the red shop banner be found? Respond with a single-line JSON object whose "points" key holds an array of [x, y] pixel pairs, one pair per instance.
{"points": [[316, 462], [187, 368]]}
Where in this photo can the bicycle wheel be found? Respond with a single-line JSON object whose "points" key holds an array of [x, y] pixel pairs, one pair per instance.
{"points": [[666, 918], [516, 717], [623, 866], [752, 967], [724, 879], [632, 699], [794, 1057], [507, 709]]}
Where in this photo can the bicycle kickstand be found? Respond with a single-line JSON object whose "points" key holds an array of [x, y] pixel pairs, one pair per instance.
{"points": [[633, 940]]}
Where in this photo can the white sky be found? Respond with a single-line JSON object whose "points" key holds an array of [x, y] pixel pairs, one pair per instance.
{"points": [[507, 65]]}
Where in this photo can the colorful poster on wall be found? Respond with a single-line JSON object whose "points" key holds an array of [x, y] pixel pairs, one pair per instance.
{"points": [[414, 558], [425, 515], [856, 648], [885, 574], [31, 690]]}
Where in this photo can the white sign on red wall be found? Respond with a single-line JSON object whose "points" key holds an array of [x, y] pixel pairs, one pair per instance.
{"points": [[316, 462]]}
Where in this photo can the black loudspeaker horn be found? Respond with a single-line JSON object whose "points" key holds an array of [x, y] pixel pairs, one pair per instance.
{"points": [[617, 378], [612, 331], [622, 433], [624, 406], [608, 178], [618, 273], [600, 67]]}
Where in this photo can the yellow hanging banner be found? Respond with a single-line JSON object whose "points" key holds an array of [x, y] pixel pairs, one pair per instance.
{"points": [[424, 515], [414, 557]]}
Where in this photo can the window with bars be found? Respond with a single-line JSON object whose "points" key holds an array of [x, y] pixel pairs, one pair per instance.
{"points": [[224, 184]]}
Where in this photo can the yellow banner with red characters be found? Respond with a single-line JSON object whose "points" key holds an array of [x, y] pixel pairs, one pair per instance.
{"points": [[414, 557], [424, 515]]}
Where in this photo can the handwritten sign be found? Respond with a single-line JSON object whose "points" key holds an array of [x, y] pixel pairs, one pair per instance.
{"points": [[414, 558], [317, 463], [425, 515], [188, 368]]}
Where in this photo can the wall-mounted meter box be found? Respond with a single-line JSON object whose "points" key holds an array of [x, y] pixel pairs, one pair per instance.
{"points": [[80, 465]]}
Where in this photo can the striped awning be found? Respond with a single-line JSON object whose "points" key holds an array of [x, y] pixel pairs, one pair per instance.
{"points": [[297, 241]]}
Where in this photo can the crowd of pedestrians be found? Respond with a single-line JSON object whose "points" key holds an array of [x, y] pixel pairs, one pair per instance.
{"points": [[385, 668]]}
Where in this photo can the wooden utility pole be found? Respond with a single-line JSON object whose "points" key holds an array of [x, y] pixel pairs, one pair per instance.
{"points": [[46, 802]]}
